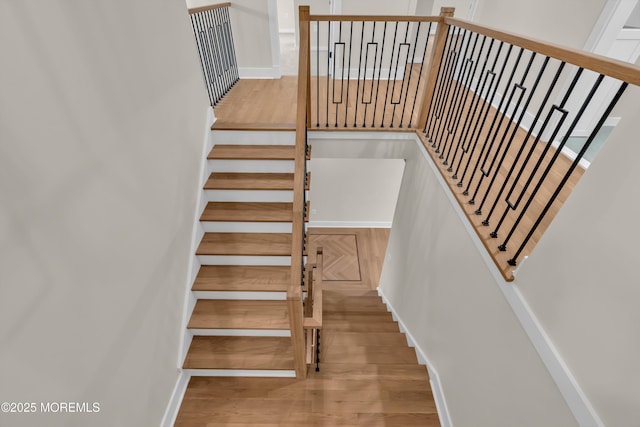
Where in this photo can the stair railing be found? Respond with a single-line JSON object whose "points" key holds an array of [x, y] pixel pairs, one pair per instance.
{"points": [[294, 293], [214, 40], [369, 71], [499, 112]]}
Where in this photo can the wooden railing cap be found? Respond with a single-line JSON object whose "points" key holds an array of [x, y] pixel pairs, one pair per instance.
{"points": [[208, 7]]}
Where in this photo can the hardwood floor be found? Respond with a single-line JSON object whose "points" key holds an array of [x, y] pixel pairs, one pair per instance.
{"points": [[259, 104], [368, 375]]}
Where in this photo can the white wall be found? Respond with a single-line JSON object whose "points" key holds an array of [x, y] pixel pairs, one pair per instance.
{"points": [[354, 192], [582, 279], [567, 22], [286, 16], [101, 130], [444, 293]]}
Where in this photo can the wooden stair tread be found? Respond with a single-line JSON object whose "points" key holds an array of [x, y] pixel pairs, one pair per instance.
{"points": [[393, 339], [248, 244], [248, 212], [368, 354], [270, 278], [239, 314], [239, 353], [252, 152], [249, 181]]}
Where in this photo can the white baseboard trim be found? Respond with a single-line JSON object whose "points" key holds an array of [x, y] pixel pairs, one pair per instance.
{"points": [[571, 391], [434, 378], [196, 236], [350, 224], [259, 73], [173, 407], [240, 373]]}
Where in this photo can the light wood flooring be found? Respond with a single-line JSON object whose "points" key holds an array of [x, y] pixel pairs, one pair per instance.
{"points": [[368, 375]]}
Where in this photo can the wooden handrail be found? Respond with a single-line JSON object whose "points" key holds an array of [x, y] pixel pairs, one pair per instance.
{"points": [[620, 70], [208, 7], [294, 293], [375, 18]]}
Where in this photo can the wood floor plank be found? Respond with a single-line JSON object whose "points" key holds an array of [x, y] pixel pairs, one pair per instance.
{"points": [[252, 152], [239, 314], [248, 212], [249, 181], [272, 278], [239, 353], [254, 244]]}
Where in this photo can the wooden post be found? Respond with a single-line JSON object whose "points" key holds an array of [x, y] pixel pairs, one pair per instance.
{"points": [[304, 22], [436, 57]]}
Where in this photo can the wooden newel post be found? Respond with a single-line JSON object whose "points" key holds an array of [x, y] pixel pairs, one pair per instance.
{"points": [[436, 57], [303, 13]]}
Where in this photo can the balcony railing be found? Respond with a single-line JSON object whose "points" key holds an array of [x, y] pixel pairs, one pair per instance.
{"points": [[214, 39]]}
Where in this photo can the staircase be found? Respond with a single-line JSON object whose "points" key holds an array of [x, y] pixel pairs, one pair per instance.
{"points": [[240, 323]]}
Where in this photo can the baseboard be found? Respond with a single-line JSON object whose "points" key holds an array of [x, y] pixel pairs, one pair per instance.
{"points": [[350, 224], [196, 236], [259, 73], [569, 388], [173, 407], [434, 378]]}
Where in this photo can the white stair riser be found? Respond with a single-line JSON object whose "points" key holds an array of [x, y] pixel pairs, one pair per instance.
{"points": [[240, 373], [241, 332], [254, 137], [235, 295], [245, 227], [243, 260], [257, 166], [249, 195]]}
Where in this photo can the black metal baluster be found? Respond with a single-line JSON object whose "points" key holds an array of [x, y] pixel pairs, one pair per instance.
{"points": [[386, 94], [431, 112], [463, 105], [424, 54], [208, 57], [485, 222], [355, 118], [217, 49], [443, 72], [503, 246], [543, 104], [317, 73], [204, 74], [455, 103], [236, 76], [574, 164], [335, 45], [317, 350], [346, 104], [221, 47], [493, 89], [413, 58], [519, 86], [499, 111], [375, 105], [328, 70], [475, 101], [448, 98], [543, 127], [373, 73], [404, 74]]}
